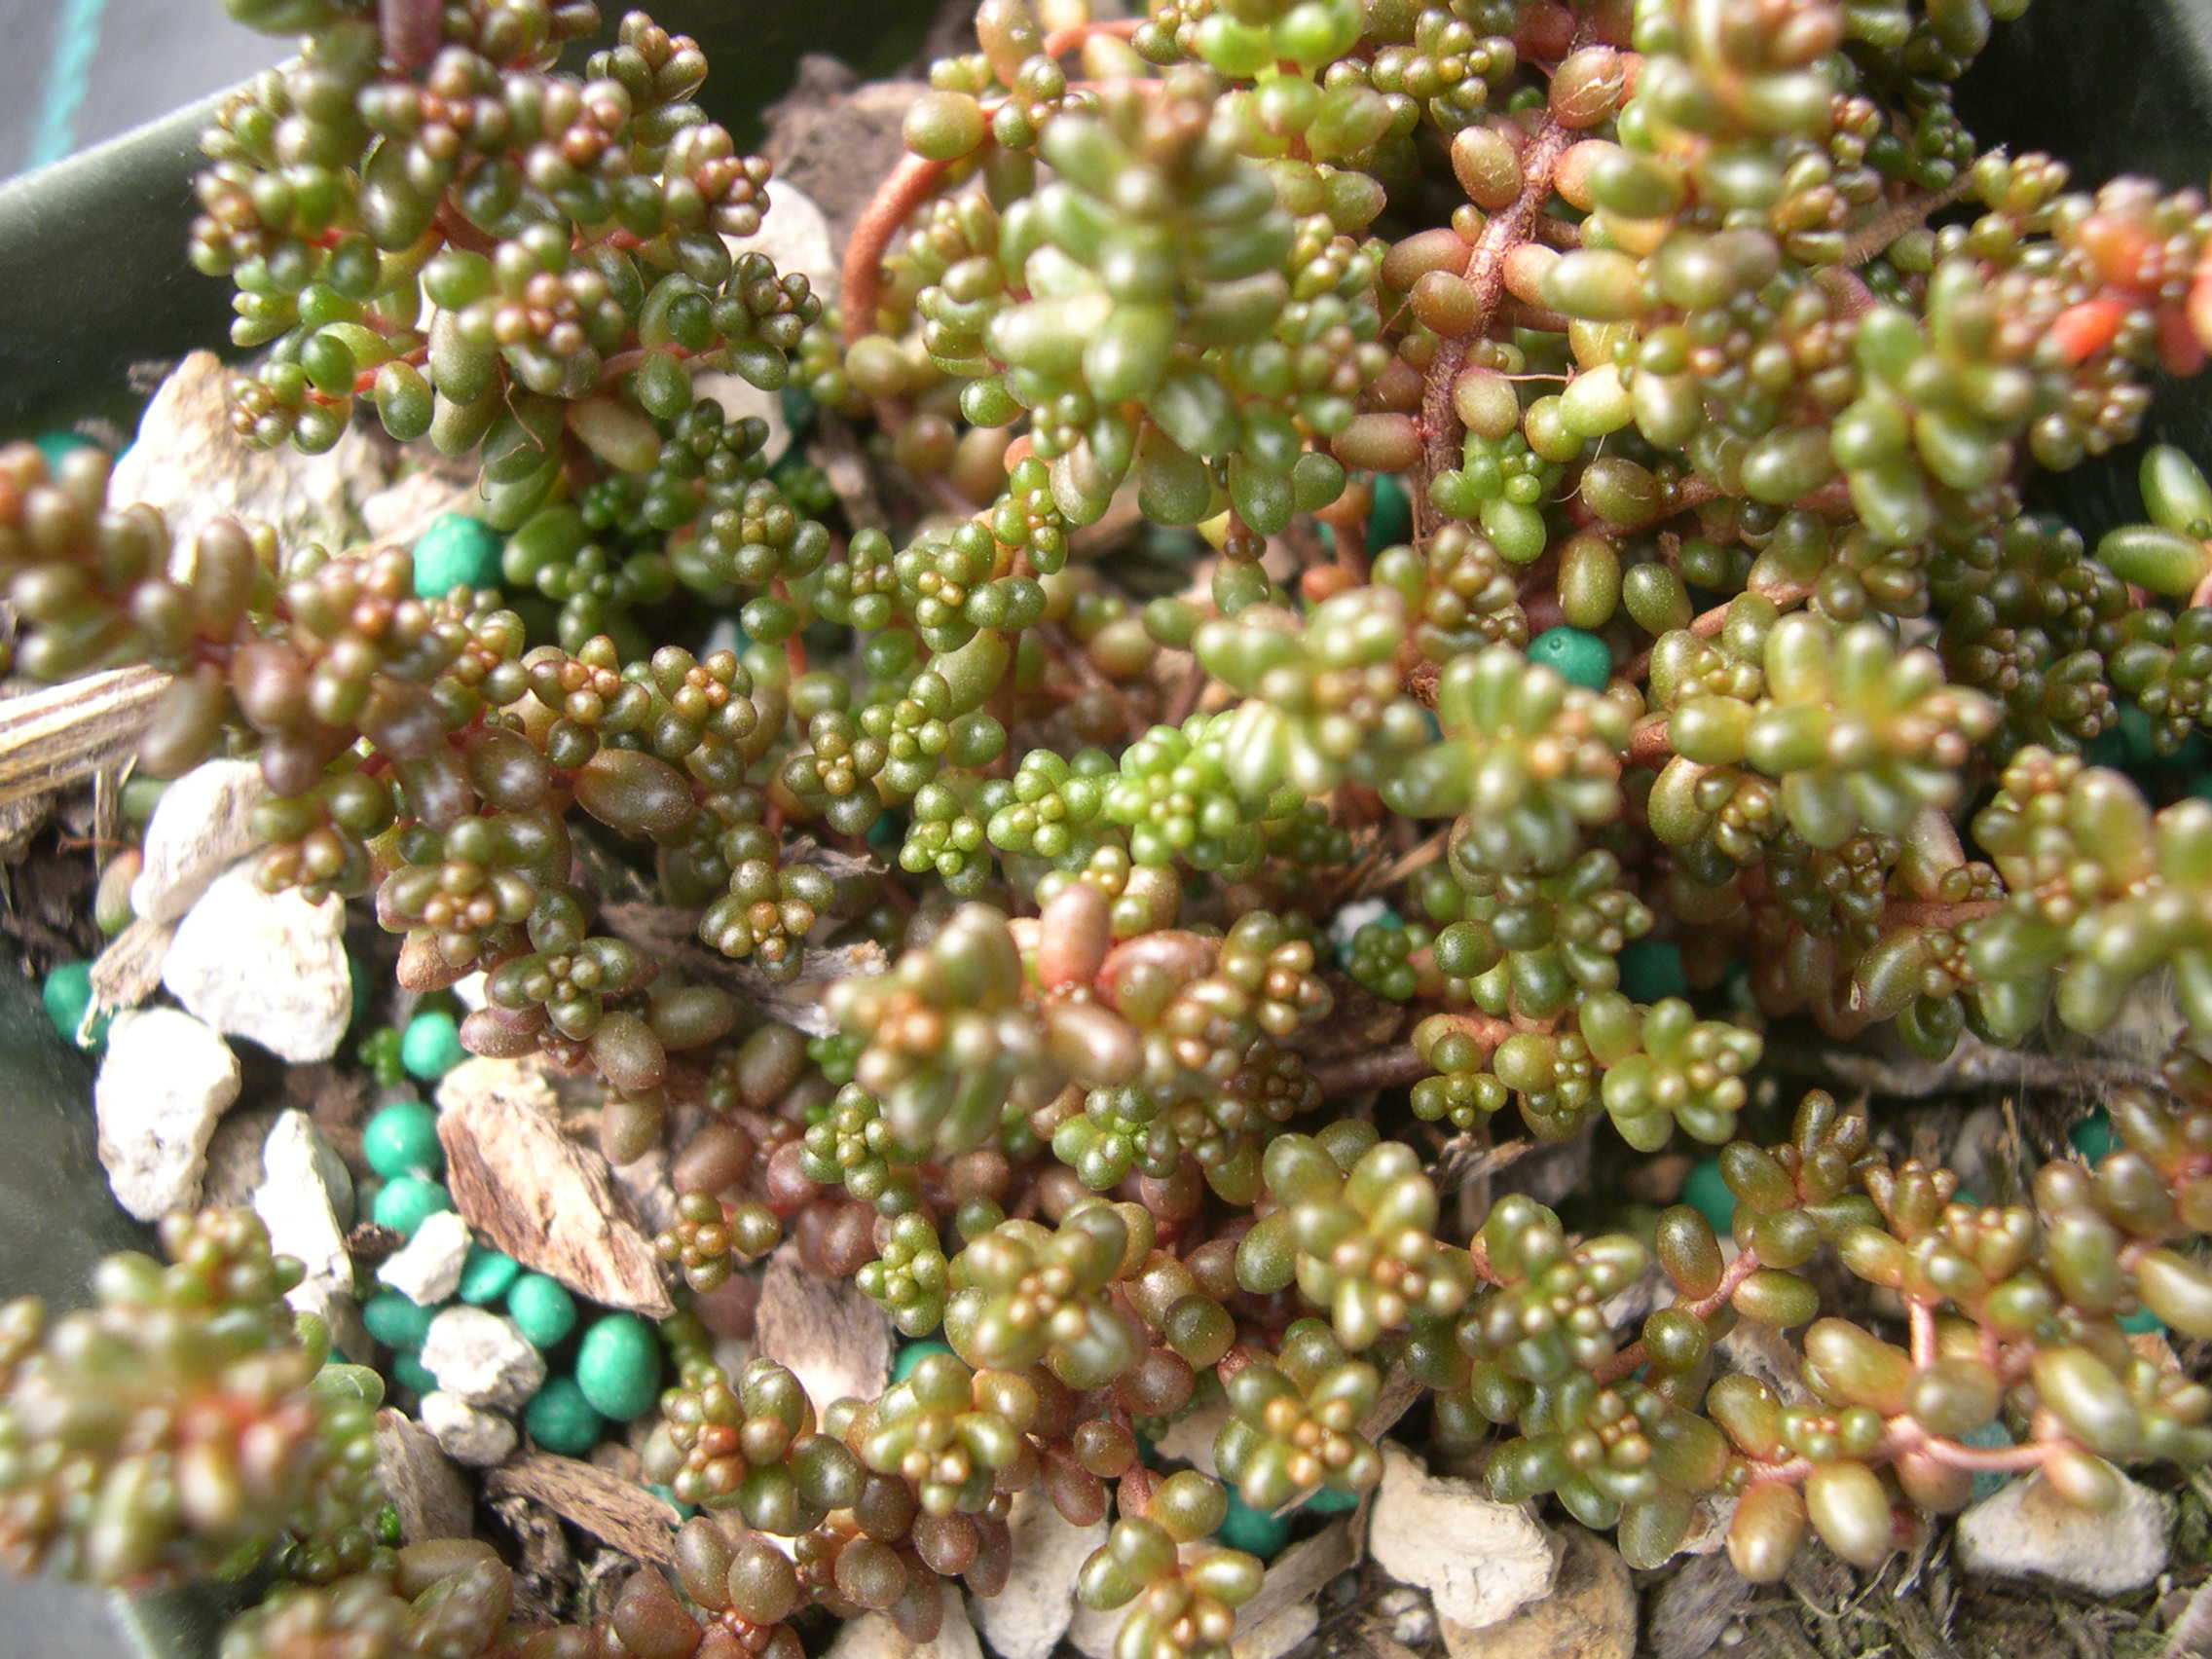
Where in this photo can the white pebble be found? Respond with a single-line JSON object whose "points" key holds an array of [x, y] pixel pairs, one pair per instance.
{"points": [[426, 1269], [306, 1198], [467, 1433], [267, 967], [166, 1079], [482, 1358], [201, 826]]}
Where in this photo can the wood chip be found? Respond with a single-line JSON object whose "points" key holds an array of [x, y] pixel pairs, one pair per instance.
{"points": [[1359, 1023], [831, 1336], [617, 1511], [129, 970], [833, 862], [545, 1566], [19, 822], [527, 1189], [61, 735], [797, 1001], [424, 1486], [1971, 1064]]}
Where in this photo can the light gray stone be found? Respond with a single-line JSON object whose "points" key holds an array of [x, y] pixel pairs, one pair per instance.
{"points": [[1412, 1621], [188, 462], [481, 1357], [1590, 1612], [403, 510], [304, 1200], [1480, 1560], [739, 397], [1189, 1438], [832, 1338], [426, 1269], [1028, 1617], [234, 1159], [466, 1432], [2026, 1530], [795, 234], [267, 967], [201, 826], [1091, 1633], [166, 1079]]}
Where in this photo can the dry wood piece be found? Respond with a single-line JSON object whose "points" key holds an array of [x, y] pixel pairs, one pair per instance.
{"points": [[129, 970], [61, 735], [424, 1488], [528, 1190], [620, 1512], [1300, 1571], [545, 1566]]}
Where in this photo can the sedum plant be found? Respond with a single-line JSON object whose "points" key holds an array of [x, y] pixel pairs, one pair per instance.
{"points": [[1526, 490]]}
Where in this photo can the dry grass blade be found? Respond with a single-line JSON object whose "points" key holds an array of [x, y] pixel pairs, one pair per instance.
{"points": [[61, 735]]}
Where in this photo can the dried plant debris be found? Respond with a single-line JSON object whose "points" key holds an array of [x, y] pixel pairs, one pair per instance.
{"points": [[54, 737]]}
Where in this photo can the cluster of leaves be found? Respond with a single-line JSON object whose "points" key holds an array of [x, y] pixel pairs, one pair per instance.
{"points": [[1710, 353]]}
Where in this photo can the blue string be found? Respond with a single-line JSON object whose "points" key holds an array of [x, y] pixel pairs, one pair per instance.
{"points": [[76, 42]]}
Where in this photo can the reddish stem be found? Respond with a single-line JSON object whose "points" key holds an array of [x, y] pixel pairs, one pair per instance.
{"points": [[1903, 1434], [459, 232], [1485, 274], [1377, 1068], [1647, 744], [624, 362], [909, 185], [795, 648], [1832, 500], [1708, 624], [1936, 913], [1626, 1361]]}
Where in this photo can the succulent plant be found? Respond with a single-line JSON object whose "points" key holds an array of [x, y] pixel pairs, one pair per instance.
{"points": [[1531, 493]]}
